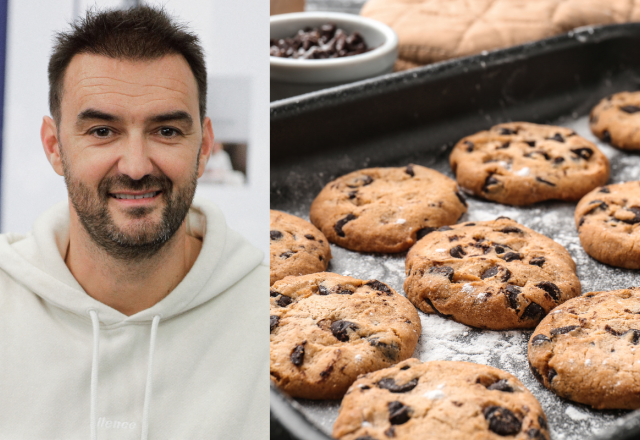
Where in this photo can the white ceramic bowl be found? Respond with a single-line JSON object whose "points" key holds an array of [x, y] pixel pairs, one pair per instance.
{"points": [[295, 76]]}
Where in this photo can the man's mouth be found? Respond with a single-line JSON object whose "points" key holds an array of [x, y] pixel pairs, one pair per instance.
{"points": [[128, 196]]}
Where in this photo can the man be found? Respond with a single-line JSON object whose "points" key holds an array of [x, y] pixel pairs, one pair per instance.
{"points": [[130, 312]]}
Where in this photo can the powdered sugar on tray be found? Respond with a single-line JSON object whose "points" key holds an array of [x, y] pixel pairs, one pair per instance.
{"points": [[444, 339]]}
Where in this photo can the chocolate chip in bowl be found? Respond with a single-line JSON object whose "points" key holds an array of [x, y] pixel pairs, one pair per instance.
{"points": [[310, 51]]}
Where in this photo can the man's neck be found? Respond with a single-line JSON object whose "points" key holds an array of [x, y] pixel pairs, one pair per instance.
{"points": [[127, 286]]}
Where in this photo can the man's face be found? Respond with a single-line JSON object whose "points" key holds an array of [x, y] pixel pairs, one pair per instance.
{"points": [[131, 148]]}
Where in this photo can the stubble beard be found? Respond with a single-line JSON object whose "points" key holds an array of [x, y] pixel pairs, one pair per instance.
{"points": [[139, 242]]}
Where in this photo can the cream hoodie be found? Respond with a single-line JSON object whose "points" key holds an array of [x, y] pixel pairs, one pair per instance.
{"points": [[193, 366]]}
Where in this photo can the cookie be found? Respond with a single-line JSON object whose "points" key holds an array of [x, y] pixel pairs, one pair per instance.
{"points": [[495, 274], [587, 350], [296, 247], [439, 400], [386, 209], [608, 222], [616, 120], [520, 163], [326, 329]]}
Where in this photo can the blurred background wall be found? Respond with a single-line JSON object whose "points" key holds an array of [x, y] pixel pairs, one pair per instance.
{"points": [[238, 99]]}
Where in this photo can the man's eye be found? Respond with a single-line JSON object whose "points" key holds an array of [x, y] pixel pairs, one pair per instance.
{"points": [[101, 132], [168, 132]]}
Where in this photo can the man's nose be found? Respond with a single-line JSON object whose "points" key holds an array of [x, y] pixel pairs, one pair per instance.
{"points": [[134, 160]]}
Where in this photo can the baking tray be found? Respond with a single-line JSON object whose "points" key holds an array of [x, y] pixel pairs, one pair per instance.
{"points": [[416, 117]]}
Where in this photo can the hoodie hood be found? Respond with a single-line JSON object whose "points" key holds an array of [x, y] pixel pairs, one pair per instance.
{"points": [[36, 260]]}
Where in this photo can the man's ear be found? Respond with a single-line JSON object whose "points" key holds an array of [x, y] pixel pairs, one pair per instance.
{"points": [[207, 145], [49, 137]]}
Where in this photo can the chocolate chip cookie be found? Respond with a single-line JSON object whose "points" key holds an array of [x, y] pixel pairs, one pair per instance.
{"points": [[439, 400], [587, 350], [495, 274], [296, 247], [386, 209], [608, 221], [616, 120], [326, 329], [520, 163]]}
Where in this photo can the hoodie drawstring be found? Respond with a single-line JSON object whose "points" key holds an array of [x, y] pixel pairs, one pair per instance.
{"points": [[94, 376]]}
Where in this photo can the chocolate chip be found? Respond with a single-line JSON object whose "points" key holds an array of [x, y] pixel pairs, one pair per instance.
{"points": [[405, 367], [390, 351], [360, 181], [536, 373], [323, 290], [606, 136], [503, 146], [500, 249], [581, 222], [461, 198], [340, 224], [298, 354], [501, 385], [533, 311], [511, 229], [492, 271], [512, 293], [511, 256], [469, 224], [539, 339], [536, 434], [284, 301], [636, 336], [541, 153], [543, 422], [469, 145], [309, 237], [444, 271], [563, 330], [546, 182], [409, 170], [275, 235], [274, 321], [605, 189], [273, 293], [489, 181], [341, 290], [584, 153], [558, 160], [552, 374], [430, 304], [388, 383], [507, 131], [457, 252], [537, 261], [340, 330], [424, 231], [601, 205], [352, 194], [551, 289], [556, 137], [502, 421], [630, 109], [390, 432], [380, 287], [445, 228], [612, 331], [286, 255], [398, 413], [636, 219], [530, 143]]}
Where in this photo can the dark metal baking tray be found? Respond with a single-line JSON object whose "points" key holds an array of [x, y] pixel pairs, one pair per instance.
{"points": [[416, 117]]}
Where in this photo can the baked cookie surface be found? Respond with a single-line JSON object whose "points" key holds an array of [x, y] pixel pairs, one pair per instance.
{"points": [[587, 350], [439, 400], [326, 329], [296, 247], [386, 209], [521, 163], [495, 274], [608, 222], [616, 120]]}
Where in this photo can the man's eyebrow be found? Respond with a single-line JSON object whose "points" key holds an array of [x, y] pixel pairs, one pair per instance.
{"points": [[178, 115], [91, 113]]}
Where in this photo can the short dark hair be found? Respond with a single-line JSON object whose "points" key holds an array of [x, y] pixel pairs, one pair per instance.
{"points": [[140, 33]]}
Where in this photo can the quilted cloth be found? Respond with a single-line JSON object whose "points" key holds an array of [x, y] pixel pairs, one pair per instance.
{"points": [[436, 30]]}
